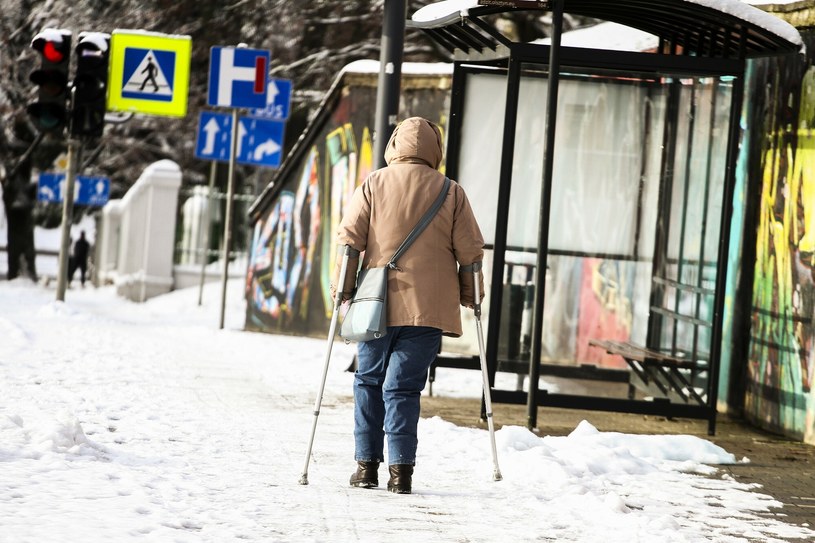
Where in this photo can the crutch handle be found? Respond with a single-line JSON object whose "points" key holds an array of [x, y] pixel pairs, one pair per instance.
{"points": [[348, 253], [477, 289], [475, 269]]}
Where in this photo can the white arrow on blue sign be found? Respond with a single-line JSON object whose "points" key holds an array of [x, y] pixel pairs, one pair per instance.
{"points": [[238, 77], [214, 136], [260, 141], [88, 190], [278, 100]]}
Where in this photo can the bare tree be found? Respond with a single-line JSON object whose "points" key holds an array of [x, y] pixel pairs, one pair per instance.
{"points": [[310, 41]]}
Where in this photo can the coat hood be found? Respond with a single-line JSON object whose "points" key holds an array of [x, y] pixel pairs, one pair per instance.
{"points": [[415, 139]]}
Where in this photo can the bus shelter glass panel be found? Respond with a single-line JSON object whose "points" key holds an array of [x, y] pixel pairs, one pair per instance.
{"points": [[685, 276], [482, 132], [479, 166], [604, 195], [636, 208]]}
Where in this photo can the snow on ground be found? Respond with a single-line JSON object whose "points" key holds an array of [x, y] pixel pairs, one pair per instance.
{"points": [[126, 422]]}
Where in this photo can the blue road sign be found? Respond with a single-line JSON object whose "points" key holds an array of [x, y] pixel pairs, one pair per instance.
{"points": [[148, 74], [260, 141], [49, 188], [238, 77], [214, 136], [278, 100], [88, 190], [93, 191]]}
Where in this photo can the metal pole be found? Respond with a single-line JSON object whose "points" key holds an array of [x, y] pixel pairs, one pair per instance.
{"points": [[664, 199], [737, 96], [206, 220], [230, 193], [501, 224], [332, 329], [545, 204], [390, 76], [683, 222], [67, 217]]}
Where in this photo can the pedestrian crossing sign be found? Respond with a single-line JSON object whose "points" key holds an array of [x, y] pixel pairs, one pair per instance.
{"points": [[149, 73]]}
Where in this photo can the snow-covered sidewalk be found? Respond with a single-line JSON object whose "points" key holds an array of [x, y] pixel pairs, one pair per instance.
{"points": [[126, 422]]}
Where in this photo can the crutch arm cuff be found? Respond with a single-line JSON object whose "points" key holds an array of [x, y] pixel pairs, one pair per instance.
{"points": [[470, 268], [466, 281], [349, 281]]}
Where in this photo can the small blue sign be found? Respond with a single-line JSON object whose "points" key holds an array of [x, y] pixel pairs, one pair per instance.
{"points": [[238, 77], [278, 100], [148, 74], [49, 187], [88, 190], [214, 136], [260, 141], [93, 191]]}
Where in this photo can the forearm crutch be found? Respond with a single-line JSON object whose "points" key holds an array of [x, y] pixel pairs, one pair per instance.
{"points": [[496, 474], [349, 252]]}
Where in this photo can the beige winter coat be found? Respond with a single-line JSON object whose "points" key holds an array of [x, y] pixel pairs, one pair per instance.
{"points": [[426, 291]]}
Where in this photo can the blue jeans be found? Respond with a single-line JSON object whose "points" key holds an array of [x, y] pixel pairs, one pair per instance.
{"points": [[391, 374]]}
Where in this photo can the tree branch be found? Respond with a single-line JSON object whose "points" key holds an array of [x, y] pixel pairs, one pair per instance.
{"points": [[25, 156]]}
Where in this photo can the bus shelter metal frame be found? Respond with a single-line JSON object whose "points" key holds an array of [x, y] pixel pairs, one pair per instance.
{"points": [[700, 48]]}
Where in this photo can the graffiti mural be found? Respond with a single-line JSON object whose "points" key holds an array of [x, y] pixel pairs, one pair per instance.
{"points": [[283, 250], [606, 308], [781, 364], [293, 250], [343, 175]]}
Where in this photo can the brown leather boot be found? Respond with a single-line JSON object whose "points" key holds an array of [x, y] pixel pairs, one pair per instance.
{"points": [[366, 476], [401, 478]]}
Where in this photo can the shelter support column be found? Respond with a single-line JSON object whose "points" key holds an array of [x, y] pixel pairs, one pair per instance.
{"points": [[500, 243], [724, 246], [543, 224]]}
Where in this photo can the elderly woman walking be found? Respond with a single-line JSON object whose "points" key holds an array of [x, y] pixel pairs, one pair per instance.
{"points": [[425, 293]]}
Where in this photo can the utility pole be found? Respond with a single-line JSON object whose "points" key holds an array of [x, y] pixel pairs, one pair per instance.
{"points": [[390, 76], [67, 216]]}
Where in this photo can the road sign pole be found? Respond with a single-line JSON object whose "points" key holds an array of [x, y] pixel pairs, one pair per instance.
{"points": [[206, 219], [67, 217], [230, 192]]}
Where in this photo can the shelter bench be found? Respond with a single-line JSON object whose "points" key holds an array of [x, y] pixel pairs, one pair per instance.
{"points": [[663, 370]]}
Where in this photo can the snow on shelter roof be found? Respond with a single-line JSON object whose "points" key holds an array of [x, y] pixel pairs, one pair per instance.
{"points": [[716, 26], [607, 35]]}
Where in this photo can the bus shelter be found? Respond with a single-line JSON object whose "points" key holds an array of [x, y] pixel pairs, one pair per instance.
{"points": [[606, 177]]}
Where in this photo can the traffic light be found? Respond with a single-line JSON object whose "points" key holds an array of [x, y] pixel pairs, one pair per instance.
{"points": [[90, 84], [49, 112]]}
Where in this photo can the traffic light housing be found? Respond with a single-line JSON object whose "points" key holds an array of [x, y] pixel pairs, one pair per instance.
{"points": [[90, 85], [49, 111]]}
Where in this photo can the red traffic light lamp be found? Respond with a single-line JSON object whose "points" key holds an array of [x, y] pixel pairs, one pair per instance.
{"points": [[51, 51], [49, 111]]}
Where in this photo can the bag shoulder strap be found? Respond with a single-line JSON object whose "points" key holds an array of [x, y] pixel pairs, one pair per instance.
{"points": [[421, 225]]}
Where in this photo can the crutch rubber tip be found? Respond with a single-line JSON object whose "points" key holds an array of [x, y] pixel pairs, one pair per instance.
{"points": [[304, 479]]}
